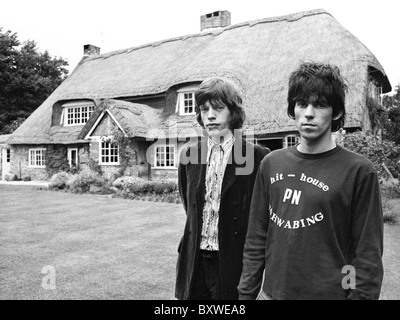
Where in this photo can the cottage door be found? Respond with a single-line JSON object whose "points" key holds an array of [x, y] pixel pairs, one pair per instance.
{"points": [[73, 157], [6, 163]]}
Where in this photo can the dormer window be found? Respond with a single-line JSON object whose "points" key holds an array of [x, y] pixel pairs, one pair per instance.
{"points": [[185, 103], [76, 113]]}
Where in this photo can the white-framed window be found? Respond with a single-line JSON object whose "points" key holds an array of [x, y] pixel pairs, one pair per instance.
{"points": [[8, 155], [185, 103], [290, 141], [165, 156], [76, 113], [37, 157], [109, 152]]}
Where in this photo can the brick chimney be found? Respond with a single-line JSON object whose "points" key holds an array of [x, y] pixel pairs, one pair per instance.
{"points": [[216, 19], [89, 50]]}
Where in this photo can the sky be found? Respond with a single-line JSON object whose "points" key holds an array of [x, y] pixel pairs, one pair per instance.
{"points": [[64, 27]]}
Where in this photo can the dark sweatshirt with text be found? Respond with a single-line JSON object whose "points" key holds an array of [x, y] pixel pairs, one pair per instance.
{"points": [[315, 228]]}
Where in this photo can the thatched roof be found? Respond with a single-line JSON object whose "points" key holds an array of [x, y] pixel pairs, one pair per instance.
{"points": [[259, 55], [4, 138], [134, 118]]}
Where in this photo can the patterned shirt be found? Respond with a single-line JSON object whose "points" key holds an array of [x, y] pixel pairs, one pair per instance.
{"points": [[217, 158]]}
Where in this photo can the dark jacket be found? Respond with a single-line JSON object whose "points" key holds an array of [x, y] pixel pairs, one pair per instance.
{"points": [[233, 215]]}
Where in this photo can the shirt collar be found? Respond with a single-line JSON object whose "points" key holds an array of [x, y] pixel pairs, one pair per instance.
{"points": [[226, 145]]}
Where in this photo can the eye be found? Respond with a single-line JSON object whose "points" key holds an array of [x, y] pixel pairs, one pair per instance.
{"points": [[301, 104], [320, 105], [220, 108], [203, 108]]}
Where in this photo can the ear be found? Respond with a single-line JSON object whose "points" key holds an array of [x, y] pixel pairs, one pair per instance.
{"points": [[337, 116]]}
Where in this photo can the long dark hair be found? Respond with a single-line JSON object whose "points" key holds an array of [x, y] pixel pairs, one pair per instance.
{"points": [[323, 81]]}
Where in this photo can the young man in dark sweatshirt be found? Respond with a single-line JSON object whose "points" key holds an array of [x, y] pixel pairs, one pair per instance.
{"points": [[316, 224]]}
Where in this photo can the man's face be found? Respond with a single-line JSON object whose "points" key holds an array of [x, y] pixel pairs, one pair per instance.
{"points": [[314, 120], [215, 119]]}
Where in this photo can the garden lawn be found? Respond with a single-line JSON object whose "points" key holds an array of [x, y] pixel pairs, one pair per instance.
{"points": [[107, 248], [100, 247]]}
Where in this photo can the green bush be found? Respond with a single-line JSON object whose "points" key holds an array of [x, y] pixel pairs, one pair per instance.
{"points": [[144, 187], [81, 182], [121, 181], [160, 191], [385, 154], [56, 159], [165, 187], [59, 180], [16, 178], [389, 215]]}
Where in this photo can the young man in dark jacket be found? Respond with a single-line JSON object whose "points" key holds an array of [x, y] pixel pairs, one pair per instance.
{"points": [[216, 178], [316, 225]]}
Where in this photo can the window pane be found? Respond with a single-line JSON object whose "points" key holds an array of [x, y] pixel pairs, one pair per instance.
{"points": [[109, 152], [78, 115], [165, 156]]}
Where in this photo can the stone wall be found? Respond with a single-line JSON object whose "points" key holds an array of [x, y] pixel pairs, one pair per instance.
{"points": [[129, 160], [20, 163]]}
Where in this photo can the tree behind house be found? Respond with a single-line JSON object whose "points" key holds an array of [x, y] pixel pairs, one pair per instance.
{"points": [[27, 78], [392, 125]]}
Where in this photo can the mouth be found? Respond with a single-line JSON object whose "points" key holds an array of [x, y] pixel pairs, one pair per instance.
{"points": [[308, 125], [212, 126]]}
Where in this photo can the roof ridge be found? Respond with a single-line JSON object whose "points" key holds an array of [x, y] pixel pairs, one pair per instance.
{"points": [[288, 17]]}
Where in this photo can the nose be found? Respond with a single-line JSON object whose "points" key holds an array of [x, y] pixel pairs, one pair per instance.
{"points": [[309, 112], [211, 113]]}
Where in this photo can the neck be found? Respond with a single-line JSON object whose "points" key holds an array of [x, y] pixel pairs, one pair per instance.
{"points": [[221, 138], [307, 146]]}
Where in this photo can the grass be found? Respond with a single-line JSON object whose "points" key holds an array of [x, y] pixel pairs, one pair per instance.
{"points": [[100, 247], [108, 248]]}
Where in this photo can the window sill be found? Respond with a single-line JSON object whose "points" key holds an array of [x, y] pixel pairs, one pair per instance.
{"points": [[187, 114]]}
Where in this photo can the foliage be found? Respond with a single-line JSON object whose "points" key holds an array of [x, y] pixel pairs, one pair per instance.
{"points": [[13, 125], [164, 191], [385, 154], [81, 182], [27, 78], [125, 158], [391, 104], [59, 180], [119, 182], [156, 187], [56, 160], [94, 166], [377, 113], [16, 178]]}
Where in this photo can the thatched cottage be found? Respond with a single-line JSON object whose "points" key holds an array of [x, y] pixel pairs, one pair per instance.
{"points": [[130, 111]]}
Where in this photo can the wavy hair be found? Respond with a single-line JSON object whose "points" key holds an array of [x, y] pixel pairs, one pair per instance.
{"points": [[216, 91], [323, 81]]}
